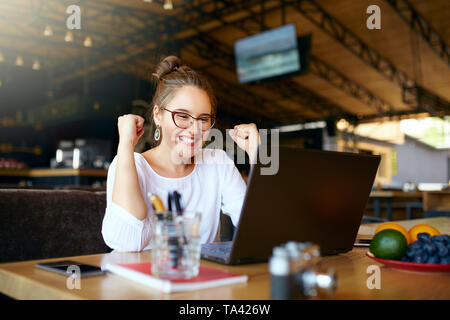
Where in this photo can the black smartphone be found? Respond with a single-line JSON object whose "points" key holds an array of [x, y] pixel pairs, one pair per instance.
{"points": [[68, 267]]}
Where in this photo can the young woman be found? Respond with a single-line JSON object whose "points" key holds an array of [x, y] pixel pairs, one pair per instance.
{"points": [[183, 113]]}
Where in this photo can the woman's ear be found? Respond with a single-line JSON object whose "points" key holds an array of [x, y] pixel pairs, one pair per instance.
{"points": [[157, 115]]}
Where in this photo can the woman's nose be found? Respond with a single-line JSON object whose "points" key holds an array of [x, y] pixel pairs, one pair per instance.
{"points": [[195, 127]]}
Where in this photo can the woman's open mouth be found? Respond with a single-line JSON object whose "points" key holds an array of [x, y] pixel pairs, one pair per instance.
{"points": [[188, 140]]}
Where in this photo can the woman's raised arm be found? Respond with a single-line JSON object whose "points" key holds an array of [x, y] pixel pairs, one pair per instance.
{"points": [[126, 191]]}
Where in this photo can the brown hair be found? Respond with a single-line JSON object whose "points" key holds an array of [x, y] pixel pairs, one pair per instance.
{"points": [[171, 75]]}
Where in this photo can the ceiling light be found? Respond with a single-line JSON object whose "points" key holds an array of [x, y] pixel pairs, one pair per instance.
{"points": [[87, 42], [168, 5], [36, 65], [68, 37], [19, 61], [48, 32], [148, 0], [342, 124], [76, 158]]}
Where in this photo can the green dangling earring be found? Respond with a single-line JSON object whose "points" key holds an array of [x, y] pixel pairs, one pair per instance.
{"points": [[157, 134]]}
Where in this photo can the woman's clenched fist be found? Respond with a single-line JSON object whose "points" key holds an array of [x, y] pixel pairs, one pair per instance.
{"points": [[131, 128]]}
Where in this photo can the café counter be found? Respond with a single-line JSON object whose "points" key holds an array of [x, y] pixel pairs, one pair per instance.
{"points": [[49, 176]]}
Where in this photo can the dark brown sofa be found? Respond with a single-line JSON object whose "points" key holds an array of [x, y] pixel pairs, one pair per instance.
{"points": [[38, 224], [53, 223]]}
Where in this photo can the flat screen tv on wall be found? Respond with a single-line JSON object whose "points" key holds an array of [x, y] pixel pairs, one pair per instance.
{"points": [[267, 55]]}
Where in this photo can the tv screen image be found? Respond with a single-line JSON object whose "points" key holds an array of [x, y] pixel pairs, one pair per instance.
{"points": [[268, 54]]}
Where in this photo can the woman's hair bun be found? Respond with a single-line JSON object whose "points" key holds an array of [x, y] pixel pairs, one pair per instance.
{"points": [[167, 65]]}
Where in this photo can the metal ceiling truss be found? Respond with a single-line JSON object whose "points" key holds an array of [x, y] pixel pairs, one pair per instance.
{"points": [[53, 48], [317, 102], [422, 27], [324, 71], [292, 90], [51, 44], [41, 21], [340, 81], [419, 96], [241, 96], [158, 28], [252, 102], [102, 48], [211, 49], [10, 55], [270, 113], [335, 29], [242, 99], [161, 29]]}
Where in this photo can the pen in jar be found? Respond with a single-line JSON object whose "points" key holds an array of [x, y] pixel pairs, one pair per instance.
{"points": [[176, 197], [158, 206]]}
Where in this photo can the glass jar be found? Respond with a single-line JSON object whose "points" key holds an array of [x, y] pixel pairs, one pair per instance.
{"points": [[176, 245]]}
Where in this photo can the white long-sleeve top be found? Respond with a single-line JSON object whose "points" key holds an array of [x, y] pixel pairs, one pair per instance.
{"points": [[215, 184]]}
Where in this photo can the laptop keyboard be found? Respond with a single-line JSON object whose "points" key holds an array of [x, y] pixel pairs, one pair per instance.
{"points": [[217, 249]]}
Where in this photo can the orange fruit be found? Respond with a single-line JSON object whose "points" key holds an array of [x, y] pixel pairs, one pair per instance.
{"points": [[395, 226], [420, 228]]}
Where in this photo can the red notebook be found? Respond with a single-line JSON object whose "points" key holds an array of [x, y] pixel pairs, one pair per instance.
{"points": [[207, 278]]}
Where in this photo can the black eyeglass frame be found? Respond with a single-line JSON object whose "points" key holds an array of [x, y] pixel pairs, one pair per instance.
{"points": [[174, 113]]}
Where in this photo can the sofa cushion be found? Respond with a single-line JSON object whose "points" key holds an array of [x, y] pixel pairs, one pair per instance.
{"points": [[38, 224]]}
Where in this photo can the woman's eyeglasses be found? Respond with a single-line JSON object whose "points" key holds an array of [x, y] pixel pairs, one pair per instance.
{"points": [[184, 120]]}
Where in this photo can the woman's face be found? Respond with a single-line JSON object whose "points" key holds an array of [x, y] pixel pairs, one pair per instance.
{"points": [[184, 143]]}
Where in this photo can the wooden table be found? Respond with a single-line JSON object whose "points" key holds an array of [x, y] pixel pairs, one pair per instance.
{"points": [[22, 280], [388, 196], [436, 200]]}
